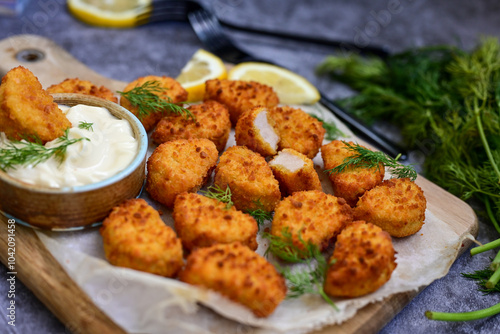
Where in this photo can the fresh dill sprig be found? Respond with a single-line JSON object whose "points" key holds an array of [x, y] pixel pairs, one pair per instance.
{"points": [[86, 126], [219, 194], [366, 158], [19, 153], [303, 281], [481, 277], [332, 131], [147, 100], [260, 215]]}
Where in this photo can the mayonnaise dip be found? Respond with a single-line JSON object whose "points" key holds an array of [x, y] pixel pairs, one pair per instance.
{"points": [[111, 148]]}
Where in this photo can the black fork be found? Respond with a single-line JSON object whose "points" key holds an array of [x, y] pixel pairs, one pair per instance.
{"points": [[211, 34]]}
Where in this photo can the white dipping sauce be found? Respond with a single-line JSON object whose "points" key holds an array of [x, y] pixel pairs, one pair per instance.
{"points": [[111, 148]]}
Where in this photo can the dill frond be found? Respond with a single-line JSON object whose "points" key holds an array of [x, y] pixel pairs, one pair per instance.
{"points": [[219, 194], [332, 131], [86, 126]]}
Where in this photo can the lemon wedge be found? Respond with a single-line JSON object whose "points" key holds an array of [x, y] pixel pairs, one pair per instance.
{"points": [[109, 13], [290, 87], [202, 66]]}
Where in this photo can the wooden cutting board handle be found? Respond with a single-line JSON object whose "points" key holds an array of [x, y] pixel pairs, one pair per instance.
{"points": [[48, 61]]}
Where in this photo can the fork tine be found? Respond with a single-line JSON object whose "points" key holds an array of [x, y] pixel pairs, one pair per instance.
{"points": [[164, 10]]}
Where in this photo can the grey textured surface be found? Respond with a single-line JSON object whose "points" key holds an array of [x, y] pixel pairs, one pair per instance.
{"points": [[163, 48]]}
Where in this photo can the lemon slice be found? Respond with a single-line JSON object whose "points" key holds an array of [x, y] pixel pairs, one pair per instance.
{"points": [[201, 67], [109, 13], [290, 87]]}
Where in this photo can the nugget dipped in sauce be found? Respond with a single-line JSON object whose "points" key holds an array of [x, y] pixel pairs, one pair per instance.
{"points": [[201, 222], [294, 172], [211, 121], [250, 179], [298, 130], [178, 166], [351, 183], [238, 273], [363, 261], [75, 85], [134, 236], [27, 111], [310, 217], [239, 96], [166, 88], [257, 130], [396, 205]]}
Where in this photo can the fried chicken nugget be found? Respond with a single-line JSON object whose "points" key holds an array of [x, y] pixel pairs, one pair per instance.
{"points": [[354, 181], [238, 95], [364, 261], [257, 130], [294, 172], [298, 130], [238, 273], [250, 179], [315, 216], [178, 166], [396, 205], [76, 85], [201, 222], [211, 122], [135, 236], [173, 92], [27, 111]]}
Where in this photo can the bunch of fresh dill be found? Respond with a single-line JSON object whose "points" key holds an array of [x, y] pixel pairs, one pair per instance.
{"points": [[447, 104]]}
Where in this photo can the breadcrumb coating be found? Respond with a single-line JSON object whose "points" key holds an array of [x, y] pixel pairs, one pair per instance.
{"points": [[250, 179], [364, 261], [294, 172], [75, 85], [257, 130], [211, 122], [134, 236], [313, 215], [238, 95], [173, 92], [354, 181], [298, 130], [201, 222], [396, 205], [178, 166], [240, 274], [27, 111]]}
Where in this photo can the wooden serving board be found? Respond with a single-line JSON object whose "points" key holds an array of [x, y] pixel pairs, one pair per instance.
{"points": [[42, 274]]}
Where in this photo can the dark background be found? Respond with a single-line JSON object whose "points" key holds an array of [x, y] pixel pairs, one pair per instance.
{"points": [[163, 49]]}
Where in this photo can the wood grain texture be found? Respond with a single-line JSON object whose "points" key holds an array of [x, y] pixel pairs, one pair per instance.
{"points": [[59, 65]]}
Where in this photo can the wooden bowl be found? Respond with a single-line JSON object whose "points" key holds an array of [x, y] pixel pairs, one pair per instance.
{"points": [[77, 207]]}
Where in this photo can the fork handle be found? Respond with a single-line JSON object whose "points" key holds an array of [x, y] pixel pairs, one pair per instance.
{"points": [[381, 142]]}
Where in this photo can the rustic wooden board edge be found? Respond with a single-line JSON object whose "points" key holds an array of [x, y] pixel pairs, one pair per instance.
{"points": [[369, 319]]}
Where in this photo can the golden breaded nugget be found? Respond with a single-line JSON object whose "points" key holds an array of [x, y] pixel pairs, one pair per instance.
{"points": [[294, 172], [396, 205], [250, 179], [178, 166], [238, 273], [27, 111], [364, 261], [212, 122], [78, 86], [239, 96], [135, 236], [354, 181], [298, 130], [201, 222], [257, 130], [317, 216], [173, 92]]}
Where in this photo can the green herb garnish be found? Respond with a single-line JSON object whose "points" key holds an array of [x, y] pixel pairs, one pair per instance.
{"points": [[365, 158], [86, 126], [219, 194], [332, 132], [147, 100], [19, 153], [260, 215]]}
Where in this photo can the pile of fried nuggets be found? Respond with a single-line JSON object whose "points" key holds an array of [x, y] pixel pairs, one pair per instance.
{"points": [[270, 168]]}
